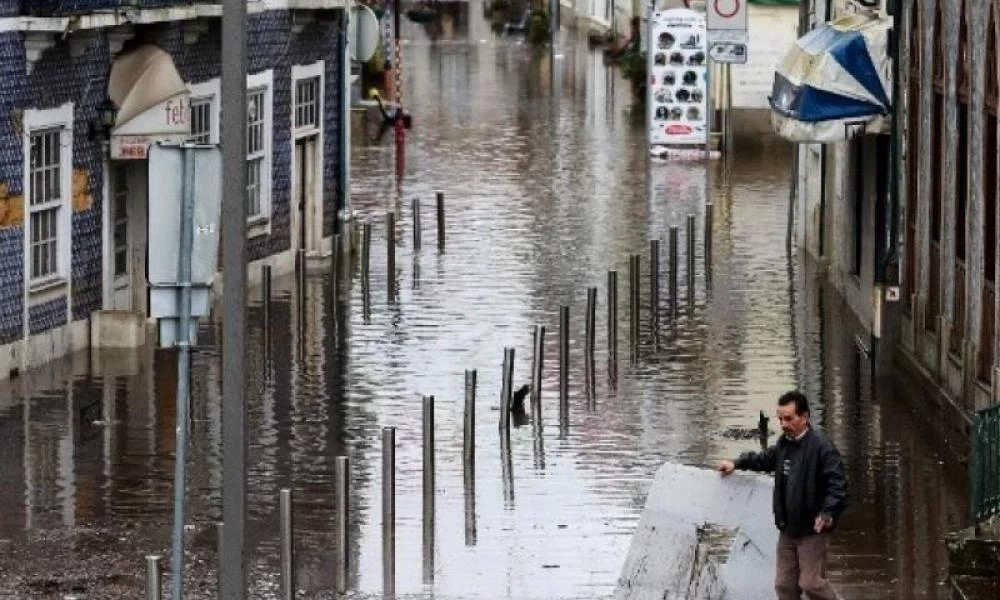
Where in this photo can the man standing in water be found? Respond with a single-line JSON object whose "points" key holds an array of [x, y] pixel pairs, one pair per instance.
{"points": [[809, 495]]}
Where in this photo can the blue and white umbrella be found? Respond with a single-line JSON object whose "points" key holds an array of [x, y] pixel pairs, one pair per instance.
{"points": [[835, 82]]}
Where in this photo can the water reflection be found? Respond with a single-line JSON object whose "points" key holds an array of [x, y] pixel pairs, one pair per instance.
{"points": [[544, 170]]}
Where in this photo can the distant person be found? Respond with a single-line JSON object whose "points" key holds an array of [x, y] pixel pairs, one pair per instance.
{"points": [[810, 492]]}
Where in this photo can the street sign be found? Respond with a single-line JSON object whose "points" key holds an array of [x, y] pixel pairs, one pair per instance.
{"points": [[729, 52], [726, 15]]}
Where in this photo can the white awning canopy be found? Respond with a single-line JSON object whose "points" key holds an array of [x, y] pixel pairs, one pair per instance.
{"points": [[152, 101]]}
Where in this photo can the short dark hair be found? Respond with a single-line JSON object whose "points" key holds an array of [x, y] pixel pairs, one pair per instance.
{"points": [[797, 398]]}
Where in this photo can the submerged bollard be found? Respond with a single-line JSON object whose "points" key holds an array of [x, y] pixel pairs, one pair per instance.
{"points": [[633, 297], [654, 285], [366, 251], [389, 510], [153, 577], [709, 219], [673, 271], [440, 219], [287, 545], [563, 366], [428, 499], [342, 487], [590, 342], [470, 420], [416, 223], [506, 390], [690, 258], [265, 297], [537, 368], [612, 315], [390, 241]]}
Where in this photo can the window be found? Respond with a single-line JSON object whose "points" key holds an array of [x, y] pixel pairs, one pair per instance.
{"points": [[307, 106], [256, 152], [201, 120], [46, 200]]}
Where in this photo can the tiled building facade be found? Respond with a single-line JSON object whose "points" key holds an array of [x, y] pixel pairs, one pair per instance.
{"points": [[54, 85]]}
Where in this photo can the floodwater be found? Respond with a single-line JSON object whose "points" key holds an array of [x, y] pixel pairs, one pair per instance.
{"points": [[544, 174]]}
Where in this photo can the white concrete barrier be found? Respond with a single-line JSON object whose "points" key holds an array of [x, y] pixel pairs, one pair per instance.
{"points": [[702, 537]]}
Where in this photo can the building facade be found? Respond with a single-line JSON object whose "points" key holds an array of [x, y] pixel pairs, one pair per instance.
{"points": [[921, 219], [73, 197]]}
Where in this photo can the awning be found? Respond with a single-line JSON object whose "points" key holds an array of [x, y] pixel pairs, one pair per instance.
{"points": [[835, 82], [152, 101]]}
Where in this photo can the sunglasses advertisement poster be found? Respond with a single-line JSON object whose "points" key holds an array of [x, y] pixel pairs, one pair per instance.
{"points": [[678, 74]]}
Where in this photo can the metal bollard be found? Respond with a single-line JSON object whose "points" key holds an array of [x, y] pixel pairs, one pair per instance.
{"points": [[591, 322], [690, 258], [428, 503], [470, 418], [342, 488], [218, 537], [537, 369], [709, 219], [287, 545], [673, 271], [416, 223], [390, 240], [366, 251], [654, 285], [440, 219], [633, 296], [265, 297], [153, 577], [389, 510], [563, 365], [335, 265], [613, 315], [506, 390]]}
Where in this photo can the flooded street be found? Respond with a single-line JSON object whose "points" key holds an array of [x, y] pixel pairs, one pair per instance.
{"points": [[544, 172]]}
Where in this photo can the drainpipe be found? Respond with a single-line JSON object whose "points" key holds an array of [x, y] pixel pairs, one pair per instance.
{"points": [[889, 250], [824, 156]]}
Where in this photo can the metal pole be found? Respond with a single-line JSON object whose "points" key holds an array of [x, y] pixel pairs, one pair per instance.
{"points": [[234, 222], [366, 251], [613, 315], [506, 390], [470, 420], [563, 365], [654, 285], [690, 258], [440, 218], [220, 531], [709, 226], [342, 485], [287, 545], [389, 511], [429, 488], [265, 285], [416, 223], [537, 368], [634, 308], [591, 323], [390, 239], [335, 264], [300, 271], [183, 373], [674, 275], [153, 577]]}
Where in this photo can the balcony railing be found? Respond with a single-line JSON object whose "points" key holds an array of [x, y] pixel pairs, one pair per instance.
{"points": [[987, 333], [985, 466], [59, 8], [958, 327]]}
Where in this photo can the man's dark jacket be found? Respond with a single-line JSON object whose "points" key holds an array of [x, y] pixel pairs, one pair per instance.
{"points": [[815, 484]]}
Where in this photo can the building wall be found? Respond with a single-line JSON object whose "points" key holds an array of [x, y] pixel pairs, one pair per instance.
{"points": [[62, 75]]}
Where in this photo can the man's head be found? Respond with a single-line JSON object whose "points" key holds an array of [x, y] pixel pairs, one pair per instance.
{"points": [[793, 413]]}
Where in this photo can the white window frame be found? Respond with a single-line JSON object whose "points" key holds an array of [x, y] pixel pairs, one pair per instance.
{"points": [[261, 224], [211, 91], [49, 287]]}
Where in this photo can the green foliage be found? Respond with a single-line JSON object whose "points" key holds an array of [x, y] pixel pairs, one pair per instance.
{"points": [[633, 66], [538, 27]]}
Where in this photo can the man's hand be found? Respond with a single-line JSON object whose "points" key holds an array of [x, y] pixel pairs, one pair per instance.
{"points": [[823, 522], [726, 467]]}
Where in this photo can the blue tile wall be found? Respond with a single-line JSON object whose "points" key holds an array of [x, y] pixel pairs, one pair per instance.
{"points": [[10, 8], [43, 317], [58, 78]]}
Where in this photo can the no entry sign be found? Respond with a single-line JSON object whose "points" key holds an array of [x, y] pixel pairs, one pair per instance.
{"points": [[727, 15]]}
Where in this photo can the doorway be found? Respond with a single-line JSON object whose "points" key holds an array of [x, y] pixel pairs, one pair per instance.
{"points": [[127, 262], [307, 213]]}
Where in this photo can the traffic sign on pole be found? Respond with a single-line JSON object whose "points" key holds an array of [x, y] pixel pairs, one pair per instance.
{"points": [[727, 15]]}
